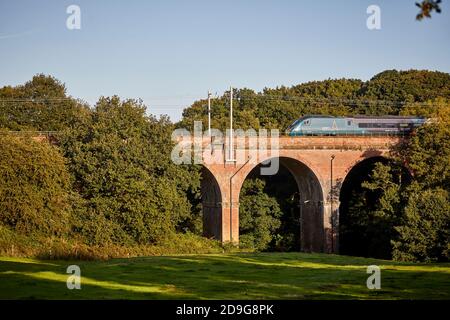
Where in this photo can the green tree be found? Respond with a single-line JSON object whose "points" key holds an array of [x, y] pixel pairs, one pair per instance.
{"points": [[120, 161], [427, 154], [388, 92], [395, 88], [374, 211], [40, 104], [425, 235], [259, 215], [34, 188]]}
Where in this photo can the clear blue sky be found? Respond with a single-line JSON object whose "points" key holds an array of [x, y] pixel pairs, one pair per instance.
{"points": [[169, 53]]}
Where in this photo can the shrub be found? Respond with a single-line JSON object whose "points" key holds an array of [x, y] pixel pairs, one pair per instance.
{"points": [[34, 187], [57, 248]]}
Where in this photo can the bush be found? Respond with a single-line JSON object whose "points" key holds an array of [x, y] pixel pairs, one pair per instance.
{"points": [[57, 248], [34, 187], [16, 245]]}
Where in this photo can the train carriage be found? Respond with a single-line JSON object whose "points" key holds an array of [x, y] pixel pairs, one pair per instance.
{"points": [[320, 125]]}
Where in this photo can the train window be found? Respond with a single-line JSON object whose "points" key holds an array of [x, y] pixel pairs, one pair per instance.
{"points": [[384, 125], [349, 122], [293, 125], [307, 122]]}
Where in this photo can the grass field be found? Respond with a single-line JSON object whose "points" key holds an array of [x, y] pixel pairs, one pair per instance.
{"points": [[228, 276]]}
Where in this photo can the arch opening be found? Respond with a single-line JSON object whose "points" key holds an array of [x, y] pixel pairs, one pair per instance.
{"points": [[211, 199], [282, 212], [365, 225]]}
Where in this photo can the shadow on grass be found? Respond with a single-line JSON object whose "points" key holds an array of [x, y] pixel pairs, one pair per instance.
{"points": [[234, 276]]}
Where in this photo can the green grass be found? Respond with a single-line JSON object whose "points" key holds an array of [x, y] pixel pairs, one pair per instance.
{"points": [[227, 276]]}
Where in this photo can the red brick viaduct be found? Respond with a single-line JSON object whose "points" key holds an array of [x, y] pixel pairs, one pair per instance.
{"points": [[319, 166]]}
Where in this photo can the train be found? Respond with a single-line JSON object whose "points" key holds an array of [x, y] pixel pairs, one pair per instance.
{"points": [[322, 125]]}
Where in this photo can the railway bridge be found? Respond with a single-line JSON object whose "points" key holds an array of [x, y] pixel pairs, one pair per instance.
{"points": [[319, 165]]}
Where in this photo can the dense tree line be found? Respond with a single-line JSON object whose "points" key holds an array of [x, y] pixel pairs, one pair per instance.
{"points": [[388, 92], [111, 180], [129, 189]]}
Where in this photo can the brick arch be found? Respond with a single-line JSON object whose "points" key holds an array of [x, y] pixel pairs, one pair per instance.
{"points": [[211, 197], [364, 157], [360, 162], [296, 166], [310, 202], [355, 173]]}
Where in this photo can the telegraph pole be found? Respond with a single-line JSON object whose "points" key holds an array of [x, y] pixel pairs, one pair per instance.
{"points": [[331, 204], [231, 147], [231, 159], [209, 114]]}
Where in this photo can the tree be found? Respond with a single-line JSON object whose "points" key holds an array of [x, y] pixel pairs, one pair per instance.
{"points": [[427, 154], [375, 209], [34, 188], [395, 88], [259, 215], [388, 92], [121, 167], [40, 104], [427, 7], [425, 235]]}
